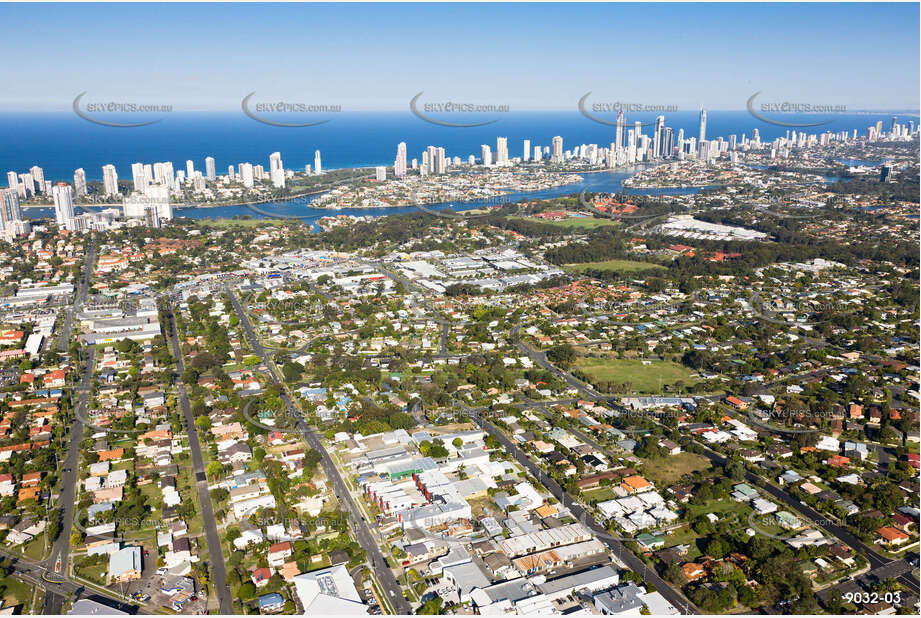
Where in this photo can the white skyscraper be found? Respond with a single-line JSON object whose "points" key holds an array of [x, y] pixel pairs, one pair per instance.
{"points": [[317, 163], [380, 173], [276, 170], [109, 180], [526, 150], [38, 178], [162, 173], [12, 179], [557, 155], [139, 177], [275, 162], [277, 175], [501, 151], [210, 172], [537, 154], [26, 185], [426, 165], [63, 205], [247, 174], [80, 182], [189, 169], [621, 127], [657, 137], [486, 154], [702, 130], [399, 164]]}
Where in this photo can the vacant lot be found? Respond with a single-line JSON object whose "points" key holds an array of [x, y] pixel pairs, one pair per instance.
{"points": [[670, 469], [599, 495], [642, 378], [624, 266]]}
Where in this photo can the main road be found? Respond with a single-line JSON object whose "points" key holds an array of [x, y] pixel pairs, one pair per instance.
{"points": [[89, 263], [216, 556], [60, 586], [359, 525], [60, 547]]}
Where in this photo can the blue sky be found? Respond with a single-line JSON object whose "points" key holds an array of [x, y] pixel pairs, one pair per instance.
{"points": [[534, 56]]}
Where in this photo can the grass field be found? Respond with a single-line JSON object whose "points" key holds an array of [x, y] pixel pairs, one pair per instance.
{"points": [[625, 266], [16, 593], [720, 508], [599, 495], [575, 223], [670, 469], [651, 378]]}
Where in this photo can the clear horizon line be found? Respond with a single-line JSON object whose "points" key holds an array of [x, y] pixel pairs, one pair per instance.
{"points": [[511, 111]]}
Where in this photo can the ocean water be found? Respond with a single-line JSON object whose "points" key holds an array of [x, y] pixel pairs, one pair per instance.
{"points": [[62, 142]]}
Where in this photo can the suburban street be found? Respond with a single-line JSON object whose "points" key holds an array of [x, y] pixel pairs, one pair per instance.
{"points": [[876, 560], [362, 532], [623, 554], [215, 555]]}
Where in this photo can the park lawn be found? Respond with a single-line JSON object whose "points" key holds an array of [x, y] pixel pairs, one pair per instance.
{"points": [[651, 378], [575, 223], [583, 223], [624, 266], [671, 468]]}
